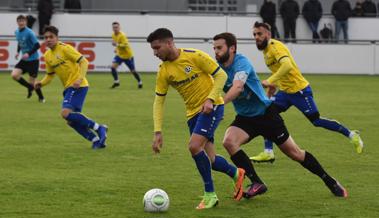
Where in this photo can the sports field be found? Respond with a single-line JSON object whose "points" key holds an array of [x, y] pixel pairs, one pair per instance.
{"points": [[47, 170]]}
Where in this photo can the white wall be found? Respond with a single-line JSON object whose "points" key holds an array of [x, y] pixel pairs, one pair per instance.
{"points": [[182, 26], [311, 58]]}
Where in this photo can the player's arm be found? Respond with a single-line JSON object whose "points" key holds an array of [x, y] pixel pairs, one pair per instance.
{"points": [[35, 47], [161, 89], [47, 78], [285, 68], [74, 56], [18, 51], [219, 77], [123, 43], [237, 87]]}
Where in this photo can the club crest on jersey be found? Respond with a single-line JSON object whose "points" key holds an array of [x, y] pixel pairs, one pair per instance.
{"points": [[188, 69]]}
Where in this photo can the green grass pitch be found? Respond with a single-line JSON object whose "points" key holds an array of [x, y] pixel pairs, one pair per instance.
{"points": [[47, 170]]}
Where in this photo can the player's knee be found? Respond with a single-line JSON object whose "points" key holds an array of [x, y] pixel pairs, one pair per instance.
{"points": [[194, 148], [65, 113], [15, 76], [230, 145], [314, 118]]}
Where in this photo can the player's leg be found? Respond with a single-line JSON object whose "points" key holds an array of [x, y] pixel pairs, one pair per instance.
{"points": [[33, 73], [308, 161], [17, 76], [132, 68], [196, 146], [239, 133], [275, 129], [115, 63], [71, 108], [220, 164], [280, 103], [304, 101]]}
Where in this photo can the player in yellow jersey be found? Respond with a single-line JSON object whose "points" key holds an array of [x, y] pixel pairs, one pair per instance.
{"points": [[71, 68], [294, 89], [124, 54], [199, 80]]}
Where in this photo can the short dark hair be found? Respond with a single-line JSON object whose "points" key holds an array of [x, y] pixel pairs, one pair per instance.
{"points": [[51, 29], [115, 23], [21, 17], [159, 34], [229, 38], [264, 25]]}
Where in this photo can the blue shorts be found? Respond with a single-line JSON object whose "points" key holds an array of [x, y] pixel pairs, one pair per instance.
{"points": [[206, 124], [74, 98], [302, 100], [129, 62]]}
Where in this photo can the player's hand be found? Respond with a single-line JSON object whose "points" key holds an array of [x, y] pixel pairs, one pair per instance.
{"points": [[37, 85], [157, 142], [77, 83], [16, 56], [271, 91], [207, 106], [25, 56], [114, 43]]}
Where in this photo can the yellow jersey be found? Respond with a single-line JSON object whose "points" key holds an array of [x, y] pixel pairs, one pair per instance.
{"points": [[191, 75], [63, 61], [123, 49], [291, 82]]}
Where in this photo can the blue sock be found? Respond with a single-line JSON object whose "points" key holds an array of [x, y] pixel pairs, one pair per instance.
{"points": [[83, 131], [114, 74], [268, 144], [204, 166], [80, 119], [222, 165], [331, 125]]}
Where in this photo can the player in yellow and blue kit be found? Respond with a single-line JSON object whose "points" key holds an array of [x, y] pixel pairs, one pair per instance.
{"points": [[71, 67], [28, 45], [124, 54], [294, 89], [199, 80], [256, 116]]}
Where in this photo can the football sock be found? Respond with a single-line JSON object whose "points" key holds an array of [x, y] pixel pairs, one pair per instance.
{"points": [[268, 145], [331, 125], [82, 120], [83, 131], [222, 165], [241, 160], [138, 78], [204, 166], [114, 74], [39, 93], [311, 164], [23, 82]]}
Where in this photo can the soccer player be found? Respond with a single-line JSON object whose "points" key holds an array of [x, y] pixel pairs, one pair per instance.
{"points": [[294, 89], [71, 67], [124, 54], [28, 45], [256, 116], [199, 80]]}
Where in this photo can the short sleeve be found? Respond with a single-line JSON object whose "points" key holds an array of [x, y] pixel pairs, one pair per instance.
{"points": [[206, 63], [72, 54], [279, 52]]}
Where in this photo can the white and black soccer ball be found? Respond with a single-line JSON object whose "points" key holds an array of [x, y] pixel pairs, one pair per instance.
{"points": [[156, 200]]}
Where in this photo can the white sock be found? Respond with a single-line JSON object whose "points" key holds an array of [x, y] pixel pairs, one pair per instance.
{"points": [[116, 81], [351, 134], [269, 151], [96, 126], [95, 139]]}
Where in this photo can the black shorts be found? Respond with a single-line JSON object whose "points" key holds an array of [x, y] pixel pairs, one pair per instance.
{"points": [[270, 125], [30, 67]]}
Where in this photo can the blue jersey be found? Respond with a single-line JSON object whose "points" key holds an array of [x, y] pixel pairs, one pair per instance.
{"points": [[26, 40], [253, 100]]}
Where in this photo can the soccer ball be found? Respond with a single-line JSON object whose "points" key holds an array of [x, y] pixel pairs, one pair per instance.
{"points": [[156, 200]]}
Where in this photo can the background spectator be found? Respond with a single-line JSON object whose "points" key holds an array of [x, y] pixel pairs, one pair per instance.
{"points": [[268, 14], [341, 11], [289, 11], [358, 10], [312, 12], [72, 6], [45, 11], [369, 8]]}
